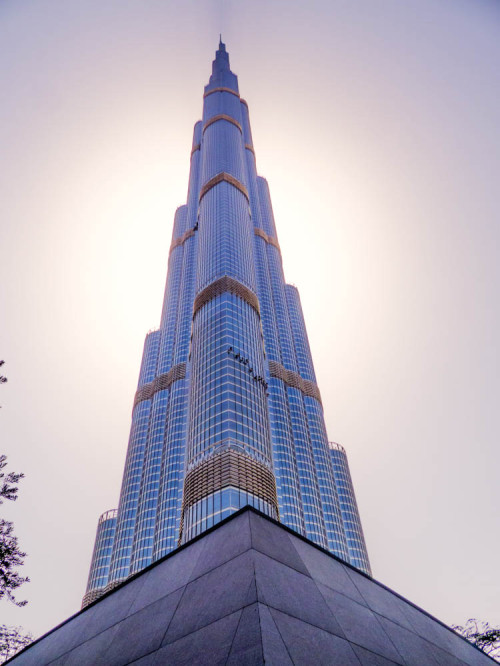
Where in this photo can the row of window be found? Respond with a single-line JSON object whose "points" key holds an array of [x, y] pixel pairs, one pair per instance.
{"points": [[219, 505]]}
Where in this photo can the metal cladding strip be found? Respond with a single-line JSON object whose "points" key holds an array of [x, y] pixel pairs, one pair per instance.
{"points": [[221, 286], [195, 148], [112, 585], [160, 383], [228, 90], [268, 239], [243, 101], [229, 468], [250, 148], [294, 380], [91, 596], [226, 178], [181, 240], [222, 116]]}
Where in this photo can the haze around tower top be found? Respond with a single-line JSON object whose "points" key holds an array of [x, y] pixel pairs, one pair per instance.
{"points": [[376, 126]]}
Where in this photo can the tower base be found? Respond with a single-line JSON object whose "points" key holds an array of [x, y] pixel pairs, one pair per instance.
{"points": [[250, 591]]}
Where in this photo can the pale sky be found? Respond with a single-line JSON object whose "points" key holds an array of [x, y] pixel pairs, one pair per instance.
{"points": [[376, 125]]}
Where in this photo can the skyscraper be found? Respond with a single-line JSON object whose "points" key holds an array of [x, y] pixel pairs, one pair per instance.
{"points": [[227, 410]]}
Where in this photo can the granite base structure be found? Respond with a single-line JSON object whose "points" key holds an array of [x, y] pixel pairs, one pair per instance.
{"points": [[250, 591]]}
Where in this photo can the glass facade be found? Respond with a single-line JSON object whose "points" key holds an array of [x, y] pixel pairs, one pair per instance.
{"points": [[101, 557], [227, 410], [348, 506], [219, 505]]}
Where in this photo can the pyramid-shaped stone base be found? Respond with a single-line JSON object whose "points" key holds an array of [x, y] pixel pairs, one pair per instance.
{"points": [[249, 592]]}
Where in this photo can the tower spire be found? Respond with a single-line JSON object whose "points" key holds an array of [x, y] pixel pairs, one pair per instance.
{"points": [[222, 76]]}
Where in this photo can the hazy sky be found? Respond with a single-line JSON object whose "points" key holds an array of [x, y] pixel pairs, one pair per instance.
{"points": [[376, 123]]}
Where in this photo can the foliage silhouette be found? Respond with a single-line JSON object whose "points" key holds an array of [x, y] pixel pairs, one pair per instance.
{"points": [[481, 635], [11, 556], [12, 639]]}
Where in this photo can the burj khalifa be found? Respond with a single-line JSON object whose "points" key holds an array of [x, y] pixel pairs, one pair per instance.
{"points": [[227, 411]]}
